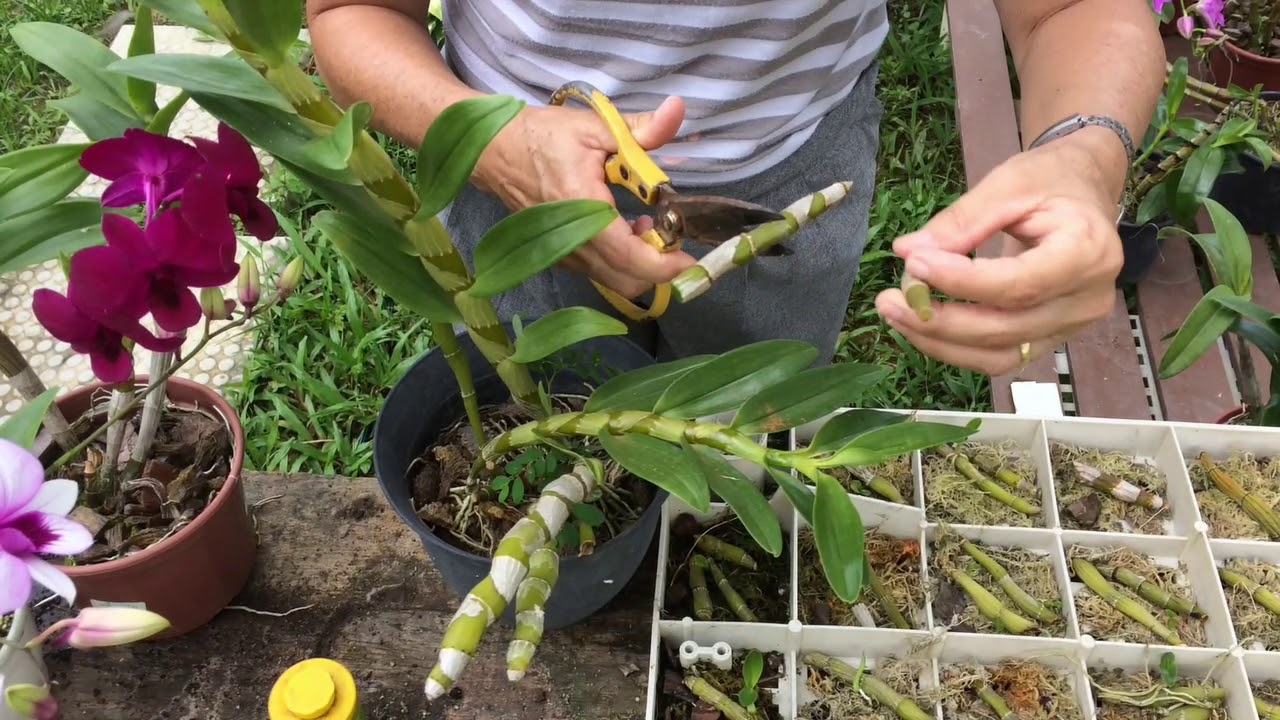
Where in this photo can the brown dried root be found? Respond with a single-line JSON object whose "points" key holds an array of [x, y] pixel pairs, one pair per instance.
{"points": [[1255, 624], [1116, 515], [765, 590], [896, 563], [1031, 691], [1102, 620], [1127, 695], [890, 480], [1226, 518], [837, 699], [956, 608], [953, 497]]}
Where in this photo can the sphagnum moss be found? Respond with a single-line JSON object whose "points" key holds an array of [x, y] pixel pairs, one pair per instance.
{"points": [[1253, 595], [1259, 477], [982, 483], [896, 563], [836, 698], [1030, 690], [1114, 515]]}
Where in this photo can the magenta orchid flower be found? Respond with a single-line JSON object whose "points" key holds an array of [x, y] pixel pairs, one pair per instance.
{"points": [[1160, 5], [144, 167], [232, 157], [33, 522], [1212, 11]]}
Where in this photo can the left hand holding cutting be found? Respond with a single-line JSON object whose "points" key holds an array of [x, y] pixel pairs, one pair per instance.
{"points": [[1055, 277]]}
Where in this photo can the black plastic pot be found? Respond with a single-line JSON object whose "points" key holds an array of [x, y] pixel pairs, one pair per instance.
{"points": [[1141, 249], [426, 402], [1253, 195]]}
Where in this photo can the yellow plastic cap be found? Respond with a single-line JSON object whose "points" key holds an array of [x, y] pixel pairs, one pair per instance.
{"points": [[315, 689]]}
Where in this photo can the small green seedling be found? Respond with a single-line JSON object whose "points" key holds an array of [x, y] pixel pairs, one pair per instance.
{"points": [[752, 669]]}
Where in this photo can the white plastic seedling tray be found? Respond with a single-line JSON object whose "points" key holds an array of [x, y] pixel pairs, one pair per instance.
{"points": [[1183, 539]]}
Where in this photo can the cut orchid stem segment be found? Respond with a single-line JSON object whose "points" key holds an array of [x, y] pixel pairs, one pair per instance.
{"points": [[728, 552], [1024, 601], [489, 599], [917, 294], [1152, 592], [877, 484], [1003, 474], [994, 701], [702, 607], [1122, 490], [742, 249], [731, 596], [1189, 712], [1250, 503], [885, 599], [531, 599], [1131, 608], [723, 704], [1266, 710], [1260, 594], [990, 606], [868, 684], [966, 467]]}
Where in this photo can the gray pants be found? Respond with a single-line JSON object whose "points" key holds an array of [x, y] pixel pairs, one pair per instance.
{"points": [[800, 296]]}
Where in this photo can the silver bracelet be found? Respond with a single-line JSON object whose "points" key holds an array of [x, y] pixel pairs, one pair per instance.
{"points": [[1076, 122]]}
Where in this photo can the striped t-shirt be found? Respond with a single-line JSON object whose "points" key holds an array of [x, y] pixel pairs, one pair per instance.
{"points": [[756, 75]]}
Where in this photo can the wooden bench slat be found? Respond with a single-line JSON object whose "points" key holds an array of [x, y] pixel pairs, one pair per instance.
{"points": [[1105, 378], [1202, 392]]}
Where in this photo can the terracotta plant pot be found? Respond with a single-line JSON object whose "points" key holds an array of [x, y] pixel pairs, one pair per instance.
{"points": [[1234, 65], [20, 667], [191, 575]]}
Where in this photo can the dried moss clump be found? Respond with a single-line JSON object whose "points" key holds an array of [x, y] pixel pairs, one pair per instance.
{"points": [[954, 497], [1127, 695], [682, 704], [1100, 618], [890, 480], [1258, 476], [836, 699], [1083, 507], [1031, 572], [1030, 690], [1255, 623], [765, 590], [896, 563]]}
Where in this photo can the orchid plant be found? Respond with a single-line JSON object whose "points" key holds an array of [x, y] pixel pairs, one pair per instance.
{"points": [[652, 422], [1210, 13]]}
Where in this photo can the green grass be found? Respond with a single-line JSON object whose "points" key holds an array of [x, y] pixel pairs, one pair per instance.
{"points": [[25, 119]]}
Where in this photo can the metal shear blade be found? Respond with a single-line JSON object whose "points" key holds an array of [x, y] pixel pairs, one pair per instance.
{"points": [[711, 219]]}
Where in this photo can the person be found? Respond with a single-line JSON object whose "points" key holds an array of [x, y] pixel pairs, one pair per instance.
{"points": [[767, 102]]}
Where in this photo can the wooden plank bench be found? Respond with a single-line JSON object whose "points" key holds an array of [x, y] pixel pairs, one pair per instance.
{"points": [[1109, 371], [362, 592]]}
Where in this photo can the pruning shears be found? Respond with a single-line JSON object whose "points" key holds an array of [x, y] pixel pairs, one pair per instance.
{"points": [[708, 219]]}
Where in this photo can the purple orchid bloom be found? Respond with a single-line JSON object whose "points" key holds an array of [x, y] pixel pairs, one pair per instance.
{"points": [[232, 157], [1212, 11], [144, 168], [1160, 5], [33, 522]]}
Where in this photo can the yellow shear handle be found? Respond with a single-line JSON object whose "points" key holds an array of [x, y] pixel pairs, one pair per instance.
{"points": [[632, 168]]}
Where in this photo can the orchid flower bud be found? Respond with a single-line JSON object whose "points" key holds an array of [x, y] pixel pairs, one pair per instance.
{"points": [[31, 701], [1186, 25], [248, 288], [214, 306], [290, 278], [98, 627]]}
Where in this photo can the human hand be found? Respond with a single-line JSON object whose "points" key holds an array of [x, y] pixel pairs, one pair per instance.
{"points": [[1056, 275], [556, 153]]}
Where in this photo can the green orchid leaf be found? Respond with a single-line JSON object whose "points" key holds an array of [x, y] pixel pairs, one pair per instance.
{"points": [[845, 427], [203, 75], [453, 144], [838, 533], [1199, 174], [640, 389], [1269, 415], [728, 380], [588, 515], [527, 242], [889, 442], [1176, 86], [96, 119], [405, 279], [163, 120], [1228, 249], [272, 26], [737, 491], [1154, 204], [665, 465], [808, 396], [332, 151], [44, 234], [80, 58], [1169, 669], [187, 13], [797, 492], [1233, 131], [1264, 152], [22, 427], [142, 93], [1204, 325], [562, 328], [1263, 335], [38, 177], [752, 668]]}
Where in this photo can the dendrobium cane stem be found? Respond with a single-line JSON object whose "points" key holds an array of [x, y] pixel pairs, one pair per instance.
{"points": [[1266, 710], [489, 599], [1098, 584], [867, 683], [28, 384], [917, 292], [1152, 592], [1120, 489], [531, 598], [731, 595], [995, 702], [702, 607], [152, 410], [1020, 597], [1260, 594], [885, 599], [448, 342], [115, 433], [990, 606], [965, 466], [723, 704], [1253, 506], [728, 552], [742, 249]]}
